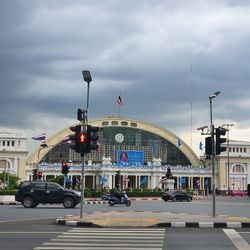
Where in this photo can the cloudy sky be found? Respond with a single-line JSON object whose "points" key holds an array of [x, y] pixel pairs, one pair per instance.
{"points": [[140, 49]]}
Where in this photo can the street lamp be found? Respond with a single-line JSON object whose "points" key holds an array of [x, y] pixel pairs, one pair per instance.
{"points": [[228, 168], [87, 78], [43, 145], [212, 140]]}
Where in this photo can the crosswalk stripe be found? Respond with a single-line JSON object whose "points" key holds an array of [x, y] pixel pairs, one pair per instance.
{"points": [[93, 248], [115, 234], [105, 240], [94, 244], [95, 239]]}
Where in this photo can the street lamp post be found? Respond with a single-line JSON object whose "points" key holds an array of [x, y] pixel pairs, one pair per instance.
{"points": [[213, 153], [43, 145], [87, 78], [228, 167]]}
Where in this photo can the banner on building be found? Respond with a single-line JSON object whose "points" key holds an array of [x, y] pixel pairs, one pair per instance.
{"points": [[130, 158]]}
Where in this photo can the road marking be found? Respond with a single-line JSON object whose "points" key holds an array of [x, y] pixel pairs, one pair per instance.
{"points": [[28, 232], [106, 239], [236, 239], [4, 221]]}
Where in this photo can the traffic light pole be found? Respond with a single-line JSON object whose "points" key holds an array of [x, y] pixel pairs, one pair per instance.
{"points": [[82, 187], [87, 77], [213, 165]]}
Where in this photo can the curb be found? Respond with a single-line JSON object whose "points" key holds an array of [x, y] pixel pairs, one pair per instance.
{"points": [[9, 203], [165, 224]]}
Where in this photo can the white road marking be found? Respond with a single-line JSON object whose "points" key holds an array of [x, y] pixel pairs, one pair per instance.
{"points": [[236, 239]]}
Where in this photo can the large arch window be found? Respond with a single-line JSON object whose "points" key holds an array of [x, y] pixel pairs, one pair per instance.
{"points": [[238, 169], [135, 139]]}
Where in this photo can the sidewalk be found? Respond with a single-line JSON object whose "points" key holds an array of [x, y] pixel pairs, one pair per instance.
{"points": [[137, 219]]}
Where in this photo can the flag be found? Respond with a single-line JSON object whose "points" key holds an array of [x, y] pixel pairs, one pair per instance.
{"points": [[163, 179], [66, 139], [66, 180], [119, 100], [77, 182], [182, 180], [102, 180], [201, 146], [144, 181], [179, 142], [40, 137]]}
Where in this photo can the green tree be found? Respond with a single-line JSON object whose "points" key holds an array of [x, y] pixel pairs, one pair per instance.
{"points": [[11, 179]]}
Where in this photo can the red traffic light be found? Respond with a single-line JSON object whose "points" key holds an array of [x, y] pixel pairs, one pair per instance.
{"points": [[83, 138]]}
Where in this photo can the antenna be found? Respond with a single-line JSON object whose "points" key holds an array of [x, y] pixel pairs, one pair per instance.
{"points": [[191, 108]]}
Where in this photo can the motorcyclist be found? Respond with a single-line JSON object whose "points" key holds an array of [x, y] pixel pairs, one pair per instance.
{"points": [[117, 193]]}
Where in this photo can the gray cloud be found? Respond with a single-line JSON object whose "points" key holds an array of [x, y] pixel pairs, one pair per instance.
{"points": [[139, 49]]}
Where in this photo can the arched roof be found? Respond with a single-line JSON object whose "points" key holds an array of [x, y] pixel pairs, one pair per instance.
{"points": [[39, 153]]}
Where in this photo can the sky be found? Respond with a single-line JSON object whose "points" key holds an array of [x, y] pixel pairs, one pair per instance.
{"points": [[164, 58]]}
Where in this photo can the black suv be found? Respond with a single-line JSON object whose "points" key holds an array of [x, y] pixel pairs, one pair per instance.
{"points": [[31, 193]]}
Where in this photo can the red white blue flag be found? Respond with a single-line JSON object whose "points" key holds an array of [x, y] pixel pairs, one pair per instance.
{"points": [[119, 100], [40, 137], [66, 139]]}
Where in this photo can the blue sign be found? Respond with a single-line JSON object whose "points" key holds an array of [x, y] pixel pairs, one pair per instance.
{"points": [[130, 158]]}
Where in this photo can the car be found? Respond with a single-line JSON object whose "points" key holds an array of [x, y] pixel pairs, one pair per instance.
{"points": [[176, 195], [33, 193]]}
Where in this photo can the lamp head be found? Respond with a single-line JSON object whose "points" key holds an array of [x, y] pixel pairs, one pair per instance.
{"points": [[214, 95]]}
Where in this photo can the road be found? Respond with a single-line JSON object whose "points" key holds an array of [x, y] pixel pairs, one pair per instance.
{"points": [[25, 229], [43, 234], [232, 206]]}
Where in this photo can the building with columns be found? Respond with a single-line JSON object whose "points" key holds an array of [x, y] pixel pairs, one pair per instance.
{"points": [[152, 149], [13, 154]]}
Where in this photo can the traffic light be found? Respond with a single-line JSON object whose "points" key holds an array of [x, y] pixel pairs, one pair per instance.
{"points": [[82, 141], [220, 132], [34, 174], [65, 168], [208, 147], [92, 141], [74, 138]]}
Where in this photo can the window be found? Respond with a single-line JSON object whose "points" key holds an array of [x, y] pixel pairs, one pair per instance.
{"points": [[3, 143], [39, 185], [8, 143], [105, 123], [238, 169], [133, 124], [115, 123], [13, 143], [51, 186], [124, 123]]}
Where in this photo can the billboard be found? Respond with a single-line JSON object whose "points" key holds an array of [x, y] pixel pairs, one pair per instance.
{"points": [[130, 158]]}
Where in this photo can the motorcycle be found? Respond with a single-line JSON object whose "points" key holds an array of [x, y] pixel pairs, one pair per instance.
{"points": [[116, 200]]}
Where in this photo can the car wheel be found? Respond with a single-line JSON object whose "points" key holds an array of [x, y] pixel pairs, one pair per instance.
{"points": [[28, 202], [174, 199], [69, 202], [189, 199]]}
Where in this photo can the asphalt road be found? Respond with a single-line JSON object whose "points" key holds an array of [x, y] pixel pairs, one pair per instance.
{"points": [[24, 229], [41, 234], [232, 206]]}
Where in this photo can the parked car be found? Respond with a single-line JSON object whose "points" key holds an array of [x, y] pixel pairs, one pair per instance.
{"points": [[177, 195], [237, 193], [32, 193]]}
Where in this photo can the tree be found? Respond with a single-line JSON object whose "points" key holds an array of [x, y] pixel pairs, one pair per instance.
{"points": [[11, 180]]}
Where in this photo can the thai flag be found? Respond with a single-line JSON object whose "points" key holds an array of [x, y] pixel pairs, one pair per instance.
{"points": [[119, 100], [66, 139], [163, 180], [39, 137]]}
